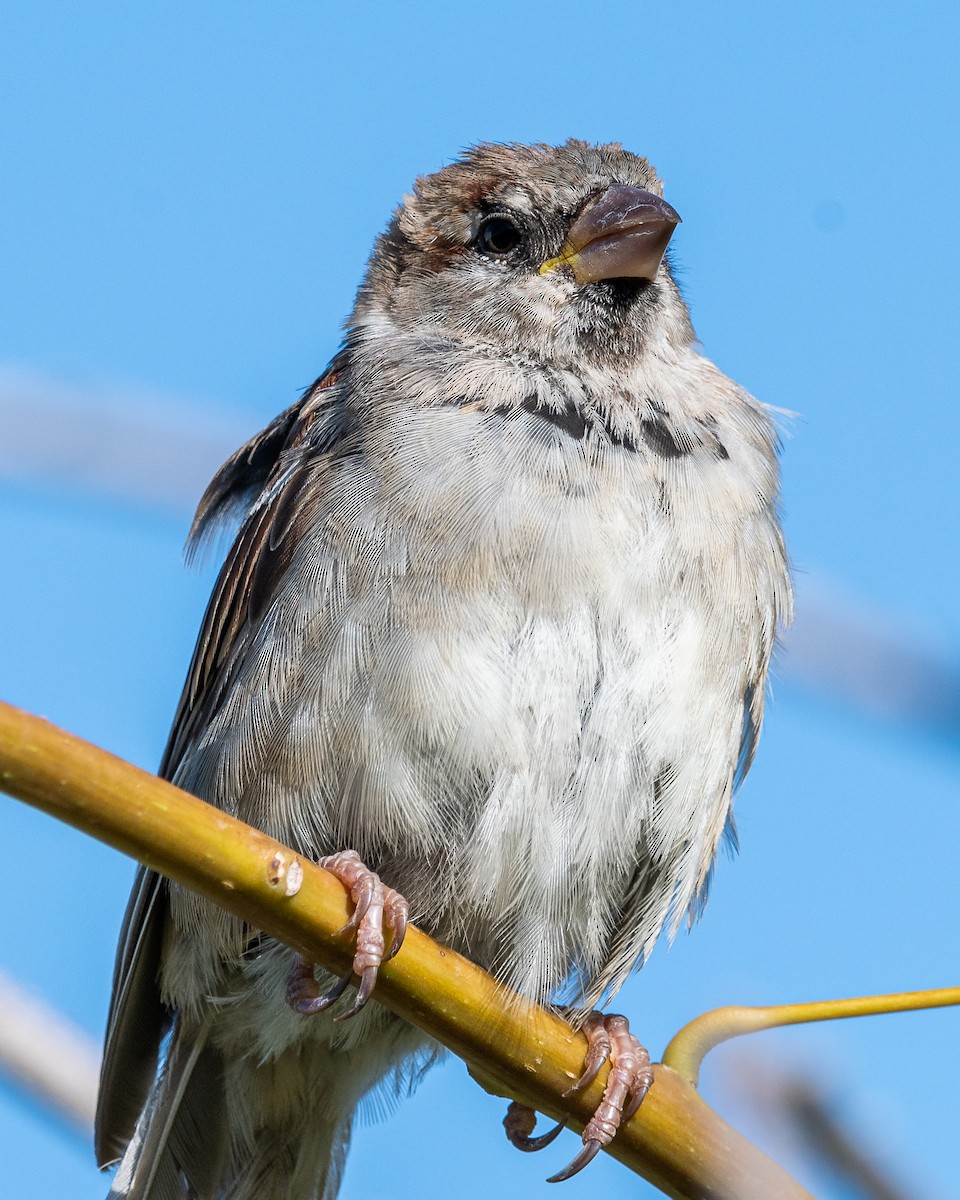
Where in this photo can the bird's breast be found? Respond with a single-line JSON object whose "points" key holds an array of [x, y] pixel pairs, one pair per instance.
{"points": [[497, 670]]}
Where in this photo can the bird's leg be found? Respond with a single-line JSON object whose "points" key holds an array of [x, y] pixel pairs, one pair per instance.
{"points": [[608, 1039], [376, 907]]}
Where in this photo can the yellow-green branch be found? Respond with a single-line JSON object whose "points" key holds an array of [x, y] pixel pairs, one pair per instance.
{"points": [[676, 1141], [688, 1048]]}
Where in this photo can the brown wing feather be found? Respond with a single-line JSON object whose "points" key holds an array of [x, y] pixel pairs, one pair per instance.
{"points": [[261, 552], [137, 1021], [269, 473]]}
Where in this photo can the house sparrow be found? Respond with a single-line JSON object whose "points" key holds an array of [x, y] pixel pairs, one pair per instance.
{"points": [[496, 626]]}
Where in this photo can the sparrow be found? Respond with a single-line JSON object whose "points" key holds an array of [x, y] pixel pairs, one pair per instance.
{"points": [[491, 643]]}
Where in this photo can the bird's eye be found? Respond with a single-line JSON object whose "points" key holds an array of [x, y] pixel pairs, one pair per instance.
{"points": [[497, 236]]}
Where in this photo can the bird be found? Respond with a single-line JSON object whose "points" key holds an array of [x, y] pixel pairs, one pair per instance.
{"points": [[491, 643]]}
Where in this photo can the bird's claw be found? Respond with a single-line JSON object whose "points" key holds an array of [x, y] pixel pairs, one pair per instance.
{"points": [[608, 1040], [376, 907], [303, 992], [589, 1152], [520, 1122]]}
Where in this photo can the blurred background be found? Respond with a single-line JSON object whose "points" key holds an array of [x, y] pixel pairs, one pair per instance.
{"points": [[188, 196]]}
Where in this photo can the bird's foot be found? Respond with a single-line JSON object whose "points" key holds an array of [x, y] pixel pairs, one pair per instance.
{"points": [[377, 907], [608, 1040], [519, 1124]]}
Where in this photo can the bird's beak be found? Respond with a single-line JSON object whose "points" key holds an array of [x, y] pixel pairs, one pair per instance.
{"points": [[620, 234]]}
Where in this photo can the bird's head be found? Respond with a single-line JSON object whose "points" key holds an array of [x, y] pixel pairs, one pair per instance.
{"points": [[551, 253]]}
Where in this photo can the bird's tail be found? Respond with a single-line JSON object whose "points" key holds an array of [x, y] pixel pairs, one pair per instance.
{"points": [[268, 1141], [182, 1132]]}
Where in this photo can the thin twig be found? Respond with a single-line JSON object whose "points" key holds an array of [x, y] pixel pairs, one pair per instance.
{"points": [[690, 1045]]}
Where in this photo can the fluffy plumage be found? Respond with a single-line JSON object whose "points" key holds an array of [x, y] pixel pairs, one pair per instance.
{"points": [[498, 617]]}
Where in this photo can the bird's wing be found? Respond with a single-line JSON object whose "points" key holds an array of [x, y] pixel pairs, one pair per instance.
{"points": [[277, 471], [268, 477], [137, 1020]]}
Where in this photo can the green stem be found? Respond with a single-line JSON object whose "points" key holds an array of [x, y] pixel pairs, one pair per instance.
{"points": [[689, 1047]]}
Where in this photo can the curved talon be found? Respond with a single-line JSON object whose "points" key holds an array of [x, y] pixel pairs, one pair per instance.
{"points": [[368, 981], [362, 894], [637, 1098], [586, 1155], [399, 928], [308, 1005], [354, 920], [519, 1124], [531, 1144], [591, 1071], [599, 1047]]}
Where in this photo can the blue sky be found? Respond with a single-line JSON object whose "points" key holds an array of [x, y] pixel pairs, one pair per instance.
{"points": [[188, 196]]}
